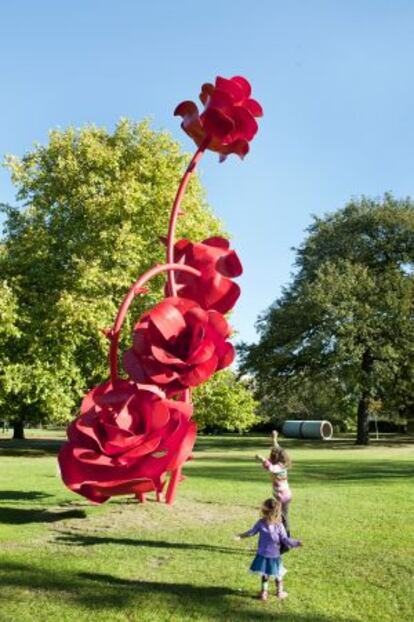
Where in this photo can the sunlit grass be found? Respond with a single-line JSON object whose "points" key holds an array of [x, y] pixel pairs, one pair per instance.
{"points": [[63, 559]]}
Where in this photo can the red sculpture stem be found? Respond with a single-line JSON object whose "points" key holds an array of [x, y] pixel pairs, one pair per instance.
{"points": [[176, 475], [123, 309], [172, 486], [176, 211]]}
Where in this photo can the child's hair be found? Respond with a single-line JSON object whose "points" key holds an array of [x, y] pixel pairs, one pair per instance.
{"points": [[272, 510], [277, 454]]}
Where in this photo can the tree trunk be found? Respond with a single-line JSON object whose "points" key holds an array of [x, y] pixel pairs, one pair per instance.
{"points": [[367, 364], [18, 429], [362, 420]]}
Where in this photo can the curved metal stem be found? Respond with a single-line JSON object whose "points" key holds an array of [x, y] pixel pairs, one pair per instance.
{"points": [[176, 475], [176, 210], [135, 290]]}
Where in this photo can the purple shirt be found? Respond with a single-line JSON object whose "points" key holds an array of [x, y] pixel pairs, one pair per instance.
{"points": [[271, 536]]}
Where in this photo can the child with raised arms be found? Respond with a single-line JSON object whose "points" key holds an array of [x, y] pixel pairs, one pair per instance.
{"points": [[278, 464]]}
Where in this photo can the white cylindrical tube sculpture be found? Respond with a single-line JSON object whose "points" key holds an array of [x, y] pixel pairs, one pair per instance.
{"points": [[321, 430]]}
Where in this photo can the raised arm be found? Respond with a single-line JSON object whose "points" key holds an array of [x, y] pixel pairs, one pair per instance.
{"points": [[269, 466], [274, 439]]}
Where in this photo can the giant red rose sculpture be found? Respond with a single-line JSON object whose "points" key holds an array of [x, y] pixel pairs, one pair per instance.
{"points": [[124, 441], [134, 434], [228, 122], [218, 265], [178, 345]]}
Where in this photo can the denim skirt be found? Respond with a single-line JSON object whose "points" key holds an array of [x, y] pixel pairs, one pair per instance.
{"points": [[269, 566]]}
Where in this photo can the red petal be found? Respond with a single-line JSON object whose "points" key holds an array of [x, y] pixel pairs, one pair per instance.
{"points": [[243, 84], [246, 125], [239, 147], [160, 415], [180, 247], [217, 242], [200, 373], [91, 457], [142, 450], [139, 338], [228, 301], [227, 356], [133, 366], [185, 448], [221, 100], [186, 108], [184, 408], [168, 319], [206, 92], [230, 87], [254, 107], [218, 322], [216, 123], [229, 265], [201, 354], [192, 126], [89, 401], [159, 373], [166, 358]]}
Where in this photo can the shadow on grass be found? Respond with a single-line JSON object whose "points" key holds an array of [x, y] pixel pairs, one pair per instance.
{"points": [[108, 592], [34, 447], [30, 447], [21, 495], [302, 471], [254, 443], [19, 516], [72, 539]]}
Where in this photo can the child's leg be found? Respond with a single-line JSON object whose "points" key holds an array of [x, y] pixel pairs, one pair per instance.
{"points": [[280, 593], [265, 587], [285, 516]]}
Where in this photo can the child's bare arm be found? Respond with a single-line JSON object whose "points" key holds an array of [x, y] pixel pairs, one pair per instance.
{"points": [[274, 439]]}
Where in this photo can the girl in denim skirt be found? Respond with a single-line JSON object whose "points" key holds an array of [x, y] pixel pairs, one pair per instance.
{"points": [[272, 535]]}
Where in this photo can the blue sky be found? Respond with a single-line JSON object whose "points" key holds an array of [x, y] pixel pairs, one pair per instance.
{"points": [[335, 79]]}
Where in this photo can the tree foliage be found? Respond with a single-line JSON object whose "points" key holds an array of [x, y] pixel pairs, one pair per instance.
{"points": [[95, 206], [224, 403], [9, 335], [344, 327]]}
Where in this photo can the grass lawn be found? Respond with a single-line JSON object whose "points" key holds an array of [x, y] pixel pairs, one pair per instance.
{"points": [[63, 559]]}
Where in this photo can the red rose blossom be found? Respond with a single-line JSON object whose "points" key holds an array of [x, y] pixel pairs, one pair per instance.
{"points": [[228, 120], [178, 345], [124, 441], [214, 288]]}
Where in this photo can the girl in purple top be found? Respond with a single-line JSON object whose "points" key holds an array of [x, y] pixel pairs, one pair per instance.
{"points": [[272, 535]]}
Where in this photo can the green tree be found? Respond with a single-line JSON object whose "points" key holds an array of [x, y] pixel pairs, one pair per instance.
{"points": [[95, 206], [224, 403], [9, 335], [345, 323]]}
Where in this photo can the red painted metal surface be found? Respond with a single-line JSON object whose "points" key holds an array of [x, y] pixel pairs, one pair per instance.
{"points": [[133, 431], [136, 289], [228, 120], [177, 345], [213, 288]]}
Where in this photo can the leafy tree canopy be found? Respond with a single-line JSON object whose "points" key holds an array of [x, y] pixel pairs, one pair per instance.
{"points": [[224, 404], [344, 326], [95, 205]]}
